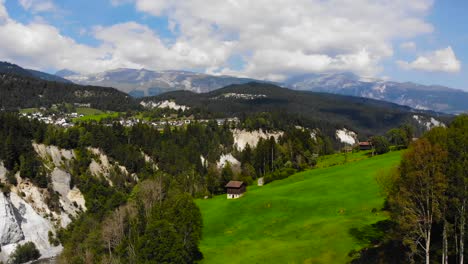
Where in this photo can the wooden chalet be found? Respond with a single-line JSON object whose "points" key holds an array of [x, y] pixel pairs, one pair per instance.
{"points": [[235, 189], [365, 145]]}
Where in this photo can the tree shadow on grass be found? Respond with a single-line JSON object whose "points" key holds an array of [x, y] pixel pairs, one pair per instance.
{"points": [[378, 246]]}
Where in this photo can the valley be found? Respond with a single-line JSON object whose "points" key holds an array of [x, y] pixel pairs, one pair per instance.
{"points": [[237, 132], [91, 174]]}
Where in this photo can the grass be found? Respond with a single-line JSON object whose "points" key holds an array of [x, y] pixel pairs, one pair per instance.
{"points": [[91, 114], [88, 111], [341, 158], [29, 110], [306, 218]]}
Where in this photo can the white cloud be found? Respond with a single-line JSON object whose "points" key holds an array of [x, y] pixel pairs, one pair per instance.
{"points": [[410, 45], [275, 38], [138, 44], [443, 60], [37, 6]]}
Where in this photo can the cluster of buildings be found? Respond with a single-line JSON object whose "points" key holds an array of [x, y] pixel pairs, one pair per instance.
{"points": [[59, 119], [66, 120]]}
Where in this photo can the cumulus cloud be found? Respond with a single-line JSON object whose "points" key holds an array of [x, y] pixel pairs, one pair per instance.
{"points": [[40, 46], [140, 45], [273, 38], [443, 60]]}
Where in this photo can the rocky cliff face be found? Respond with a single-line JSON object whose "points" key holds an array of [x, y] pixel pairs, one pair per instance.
{"points": [[10, 229], [25, 211]]}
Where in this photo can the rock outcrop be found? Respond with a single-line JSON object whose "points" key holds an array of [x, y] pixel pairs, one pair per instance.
{"points": [[244, 137], [10, 230]]}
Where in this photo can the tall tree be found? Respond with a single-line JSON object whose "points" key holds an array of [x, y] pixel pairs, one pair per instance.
{"points": [[458, 177], [419, 194]]}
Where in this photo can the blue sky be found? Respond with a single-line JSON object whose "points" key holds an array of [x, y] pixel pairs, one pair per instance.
{"points": [[423, 41]]}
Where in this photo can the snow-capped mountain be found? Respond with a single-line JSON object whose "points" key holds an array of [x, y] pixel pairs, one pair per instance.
{"points": [[144, 82], [427, 97]]}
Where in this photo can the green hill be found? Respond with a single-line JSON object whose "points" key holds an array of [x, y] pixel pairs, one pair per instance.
{"points": [[303, 219], [18, 92], [327, 112]]}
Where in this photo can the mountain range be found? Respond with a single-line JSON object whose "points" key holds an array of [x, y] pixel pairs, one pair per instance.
{"points": [[139, 83], [143, 82], [426, 97]]}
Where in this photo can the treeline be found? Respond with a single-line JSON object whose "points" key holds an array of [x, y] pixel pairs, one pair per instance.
{"points": [[157, 224], [427, 199], [295, 150]]}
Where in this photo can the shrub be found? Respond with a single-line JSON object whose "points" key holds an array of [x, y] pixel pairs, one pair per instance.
{"points": [[11, 178], [380, 144], [24, 253]]}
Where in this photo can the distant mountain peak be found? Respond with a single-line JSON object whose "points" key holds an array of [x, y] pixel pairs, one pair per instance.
{"points": [[433, 97], [144, 82], [65, 73]]}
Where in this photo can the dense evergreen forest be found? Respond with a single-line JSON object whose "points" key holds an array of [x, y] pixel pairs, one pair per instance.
{"points": [[18, 92], [158, 202], [314, 110], [10, 68], [426, 198]]}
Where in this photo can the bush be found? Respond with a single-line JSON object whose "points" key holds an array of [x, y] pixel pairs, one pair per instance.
{"points": [[4, 188], [24, 253], [279, 174], [11, 178], [381, 145]]}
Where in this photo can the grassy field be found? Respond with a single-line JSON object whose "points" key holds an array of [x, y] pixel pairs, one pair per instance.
{"points": [[29, 110], [341, 158], [93, 114], [303, 219]]}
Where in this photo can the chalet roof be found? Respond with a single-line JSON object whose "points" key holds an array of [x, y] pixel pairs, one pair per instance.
{"points": [[234, 184], [365, 143]]}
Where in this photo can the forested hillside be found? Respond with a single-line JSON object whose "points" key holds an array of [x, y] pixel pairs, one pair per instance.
{"points": [[314, 110], [10, 68], [25, 92], [155, 177]]}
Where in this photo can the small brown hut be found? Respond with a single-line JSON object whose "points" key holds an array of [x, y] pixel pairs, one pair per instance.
{"points": [[366, 145], [235, 189]]}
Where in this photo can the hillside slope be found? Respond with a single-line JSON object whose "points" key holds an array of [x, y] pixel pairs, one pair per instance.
{"points": [[9, 68], [303, 219], [25, 92], [314, 110]]}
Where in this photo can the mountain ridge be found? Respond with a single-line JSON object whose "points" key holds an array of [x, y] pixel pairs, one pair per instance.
{"points": [[144, 82], [10, 68], [316, 110]]}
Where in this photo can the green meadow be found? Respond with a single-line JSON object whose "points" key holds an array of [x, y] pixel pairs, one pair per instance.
{"points": [[91, 114], [305, 218]]}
